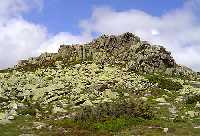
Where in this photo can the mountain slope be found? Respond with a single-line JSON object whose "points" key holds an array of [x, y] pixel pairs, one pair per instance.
{"points": [[114, 85]]}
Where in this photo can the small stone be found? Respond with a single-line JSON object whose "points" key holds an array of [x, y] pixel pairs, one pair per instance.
{"points": [[58, 109], [13, 105], [197, 127], [50, 127], [38, 125], [126, 94], [13, 112], [11, 117], [27, 135], [144, 98], [87, 103], [164, 104], [161, 100], [165, 130], [173, 110], [197, 105]]}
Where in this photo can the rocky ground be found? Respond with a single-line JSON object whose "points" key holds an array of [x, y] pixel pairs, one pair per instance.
{"points": [[114, 85]]}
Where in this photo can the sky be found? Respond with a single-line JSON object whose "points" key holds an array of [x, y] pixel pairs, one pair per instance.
{"points": [[30, 27]]}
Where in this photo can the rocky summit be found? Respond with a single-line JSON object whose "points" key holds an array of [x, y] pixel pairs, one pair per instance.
{"points": [[113, 85], [126, 50]]}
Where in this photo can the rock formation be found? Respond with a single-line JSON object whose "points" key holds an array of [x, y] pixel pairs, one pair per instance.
{"points": [[126, 50]]}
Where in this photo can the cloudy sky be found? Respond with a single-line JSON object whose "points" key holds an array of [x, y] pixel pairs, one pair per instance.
{"points": [[29, 27]]}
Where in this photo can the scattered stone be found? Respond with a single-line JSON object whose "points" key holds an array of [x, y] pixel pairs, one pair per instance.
{"points": [[197, 105], [172, 110], [165, 130], [126, 94], [58, 109], [27, 135], [164, 104], [11, 117], [87, 103], [160, 100], [155, 127], [197, 127], [39, 125], [144, 98]]}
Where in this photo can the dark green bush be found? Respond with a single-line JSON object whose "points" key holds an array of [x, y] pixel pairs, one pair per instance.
{"points": [[33, 108], [191, 99], [106, 111], [8, 70], [164, 83], [3, 100]]}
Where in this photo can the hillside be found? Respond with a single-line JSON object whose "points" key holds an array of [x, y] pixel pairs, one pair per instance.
{"points": [[113, 85]]}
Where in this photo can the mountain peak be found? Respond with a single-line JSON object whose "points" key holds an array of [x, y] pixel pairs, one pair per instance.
{"points": [[126, 50]]}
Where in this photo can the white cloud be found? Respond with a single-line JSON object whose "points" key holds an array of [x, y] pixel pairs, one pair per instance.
{"points": [[155, 32], [13, 8], [177, 30], [53, 43], [20, 39]]}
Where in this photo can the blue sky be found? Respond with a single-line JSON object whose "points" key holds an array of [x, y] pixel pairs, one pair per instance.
{"points": [[31, 27], [64, 15]]}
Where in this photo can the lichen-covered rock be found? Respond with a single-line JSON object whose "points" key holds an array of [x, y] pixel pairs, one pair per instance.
{"points": [[56, 90]]}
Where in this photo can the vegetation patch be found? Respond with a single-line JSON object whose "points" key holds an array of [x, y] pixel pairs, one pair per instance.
{"points": [[117, 109], [164, 83]]}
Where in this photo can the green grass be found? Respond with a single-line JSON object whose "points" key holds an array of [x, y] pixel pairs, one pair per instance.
{"points": [[19, 126], [113, 126]]}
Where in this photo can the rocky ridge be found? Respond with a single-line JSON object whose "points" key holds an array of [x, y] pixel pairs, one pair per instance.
{"points": [[126, 50]]}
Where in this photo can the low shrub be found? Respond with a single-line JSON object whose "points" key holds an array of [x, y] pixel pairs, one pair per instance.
{"points": [[104, 111], [164, 83], [191, 99]]}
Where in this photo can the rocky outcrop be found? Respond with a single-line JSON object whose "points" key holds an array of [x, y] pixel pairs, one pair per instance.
{"points": [[128, 50], [125, 50]]}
